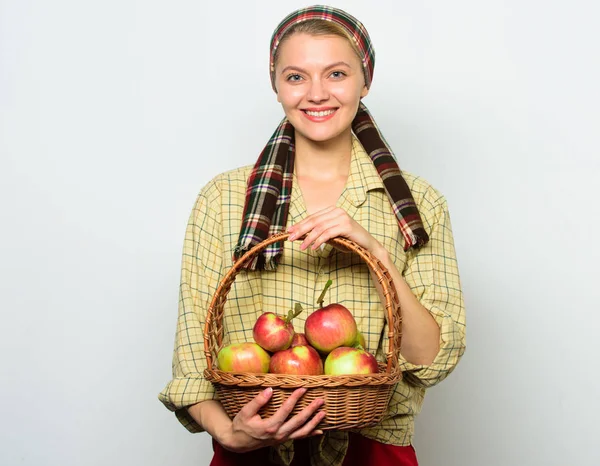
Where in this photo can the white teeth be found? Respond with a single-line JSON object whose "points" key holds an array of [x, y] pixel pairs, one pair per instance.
{"points": [[319, 114]]}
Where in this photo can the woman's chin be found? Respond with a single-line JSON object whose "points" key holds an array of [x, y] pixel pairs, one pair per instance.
{"points": [[322, 136]]}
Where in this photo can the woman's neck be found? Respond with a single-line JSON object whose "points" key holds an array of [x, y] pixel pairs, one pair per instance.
{"points": [[323, 161]]}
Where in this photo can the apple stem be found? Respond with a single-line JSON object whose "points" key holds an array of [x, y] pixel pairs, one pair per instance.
{"points": [[291, 314], [322, 296]]}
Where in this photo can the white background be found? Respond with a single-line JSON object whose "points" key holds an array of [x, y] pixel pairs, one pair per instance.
{"points": [[114, 114]]}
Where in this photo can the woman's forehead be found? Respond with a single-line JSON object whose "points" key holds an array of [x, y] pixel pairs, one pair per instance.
{"points": [[316, 49]]}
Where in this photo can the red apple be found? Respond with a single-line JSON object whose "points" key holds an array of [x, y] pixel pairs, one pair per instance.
{"points": [[272, 332], [275, 333], [243, 357], [344, 360], [330, 327], [298, 360], [299, 339]]}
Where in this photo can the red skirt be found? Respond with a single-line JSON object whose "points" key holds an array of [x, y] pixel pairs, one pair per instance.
{"points": [[361, 452]]}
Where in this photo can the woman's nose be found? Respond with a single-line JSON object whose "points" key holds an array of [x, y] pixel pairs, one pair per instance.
{"points": [[318, 91]]}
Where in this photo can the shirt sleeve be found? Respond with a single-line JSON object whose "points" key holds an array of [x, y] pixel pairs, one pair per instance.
{"points": [[432, 274], [200, 275]]}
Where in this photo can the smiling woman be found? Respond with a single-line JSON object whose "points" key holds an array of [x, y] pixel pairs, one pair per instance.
{"points": [[326, 172], [319, 82], [319, 79]]}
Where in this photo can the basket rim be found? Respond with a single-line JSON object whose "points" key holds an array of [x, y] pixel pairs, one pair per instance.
{"points": [[392, 310], [286, 381]]}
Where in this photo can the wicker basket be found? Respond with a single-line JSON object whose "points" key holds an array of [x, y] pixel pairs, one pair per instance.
{"points": [[351, 401]]}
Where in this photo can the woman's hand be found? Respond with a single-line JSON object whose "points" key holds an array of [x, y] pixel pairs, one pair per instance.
{"points": [[328, 223], [249, 431]]}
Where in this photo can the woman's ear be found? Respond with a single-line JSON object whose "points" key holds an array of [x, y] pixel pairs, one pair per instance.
{"points": [[364, 92]]}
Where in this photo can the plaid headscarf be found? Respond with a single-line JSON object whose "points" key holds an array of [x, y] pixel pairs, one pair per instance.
{"points": [[270, 183]]}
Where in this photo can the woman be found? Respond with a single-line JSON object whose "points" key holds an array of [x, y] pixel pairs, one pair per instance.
{"points": [[326, 172]]}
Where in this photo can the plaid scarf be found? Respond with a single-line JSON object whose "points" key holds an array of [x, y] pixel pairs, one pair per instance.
{"points": [[270, 183], [270, 186]]}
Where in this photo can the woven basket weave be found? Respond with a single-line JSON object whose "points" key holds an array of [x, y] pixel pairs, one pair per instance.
{"points": [[351, 401]]}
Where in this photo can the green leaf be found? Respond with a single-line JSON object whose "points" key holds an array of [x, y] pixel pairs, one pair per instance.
{"points": [[291, 314]]}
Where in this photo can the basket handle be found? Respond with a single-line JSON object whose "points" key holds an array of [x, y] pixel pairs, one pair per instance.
{"points": [[393, 312]]}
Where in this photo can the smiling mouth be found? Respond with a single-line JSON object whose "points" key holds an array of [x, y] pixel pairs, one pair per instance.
{"points": [[322, 113]]}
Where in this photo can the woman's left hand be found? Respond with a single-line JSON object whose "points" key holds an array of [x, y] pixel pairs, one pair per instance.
{"points": [[329, 223]]}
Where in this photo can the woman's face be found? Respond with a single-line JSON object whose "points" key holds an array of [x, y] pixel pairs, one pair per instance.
{"points": [[320, 82]]}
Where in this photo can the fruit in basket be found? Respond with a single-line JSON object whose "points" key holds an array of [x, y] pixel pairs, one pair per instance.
{"points": [[345, 360], [275, 333], [243, 357], [272, 332], [298, 360], [331, 326], [299, 339]]}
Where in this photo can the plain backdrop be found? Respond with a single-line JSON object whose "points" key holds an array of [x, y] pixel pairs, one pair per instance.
{"points": [[114, 114]]}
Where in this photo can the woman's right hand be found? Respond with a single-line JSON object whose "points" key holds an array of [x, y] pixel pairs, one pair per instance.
{"points": [[249, 431]]}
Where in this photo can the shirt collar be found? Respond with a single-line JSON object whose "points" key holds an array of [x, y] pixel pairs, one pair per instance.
{"points": [[363, 176]]}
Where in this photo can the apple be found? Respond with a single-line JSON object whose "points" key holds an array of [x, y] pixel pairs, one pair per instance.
{"points": [[331, 326], [298, 360], [243, 357], [272, 332], [299, 339], [275, 333], [345, 360]]}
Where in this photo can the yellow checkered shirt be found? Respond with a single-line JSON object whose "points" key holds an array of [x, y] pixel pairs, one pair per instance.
{"points": [[431, 273]]}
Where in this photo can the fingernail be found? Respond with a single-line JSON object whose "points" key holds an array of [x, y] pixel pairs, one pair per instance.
{"points": [[292, 237], [268, 391]]}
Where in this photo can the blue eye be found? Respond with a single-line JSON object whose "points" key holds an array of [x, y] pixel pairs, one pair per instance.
{"points": [[294, 77], [338, 74]]}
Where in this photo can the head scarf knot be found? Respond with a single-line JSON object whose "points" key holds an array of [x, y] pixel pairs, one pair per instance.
{"points": [[270, 183]]}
